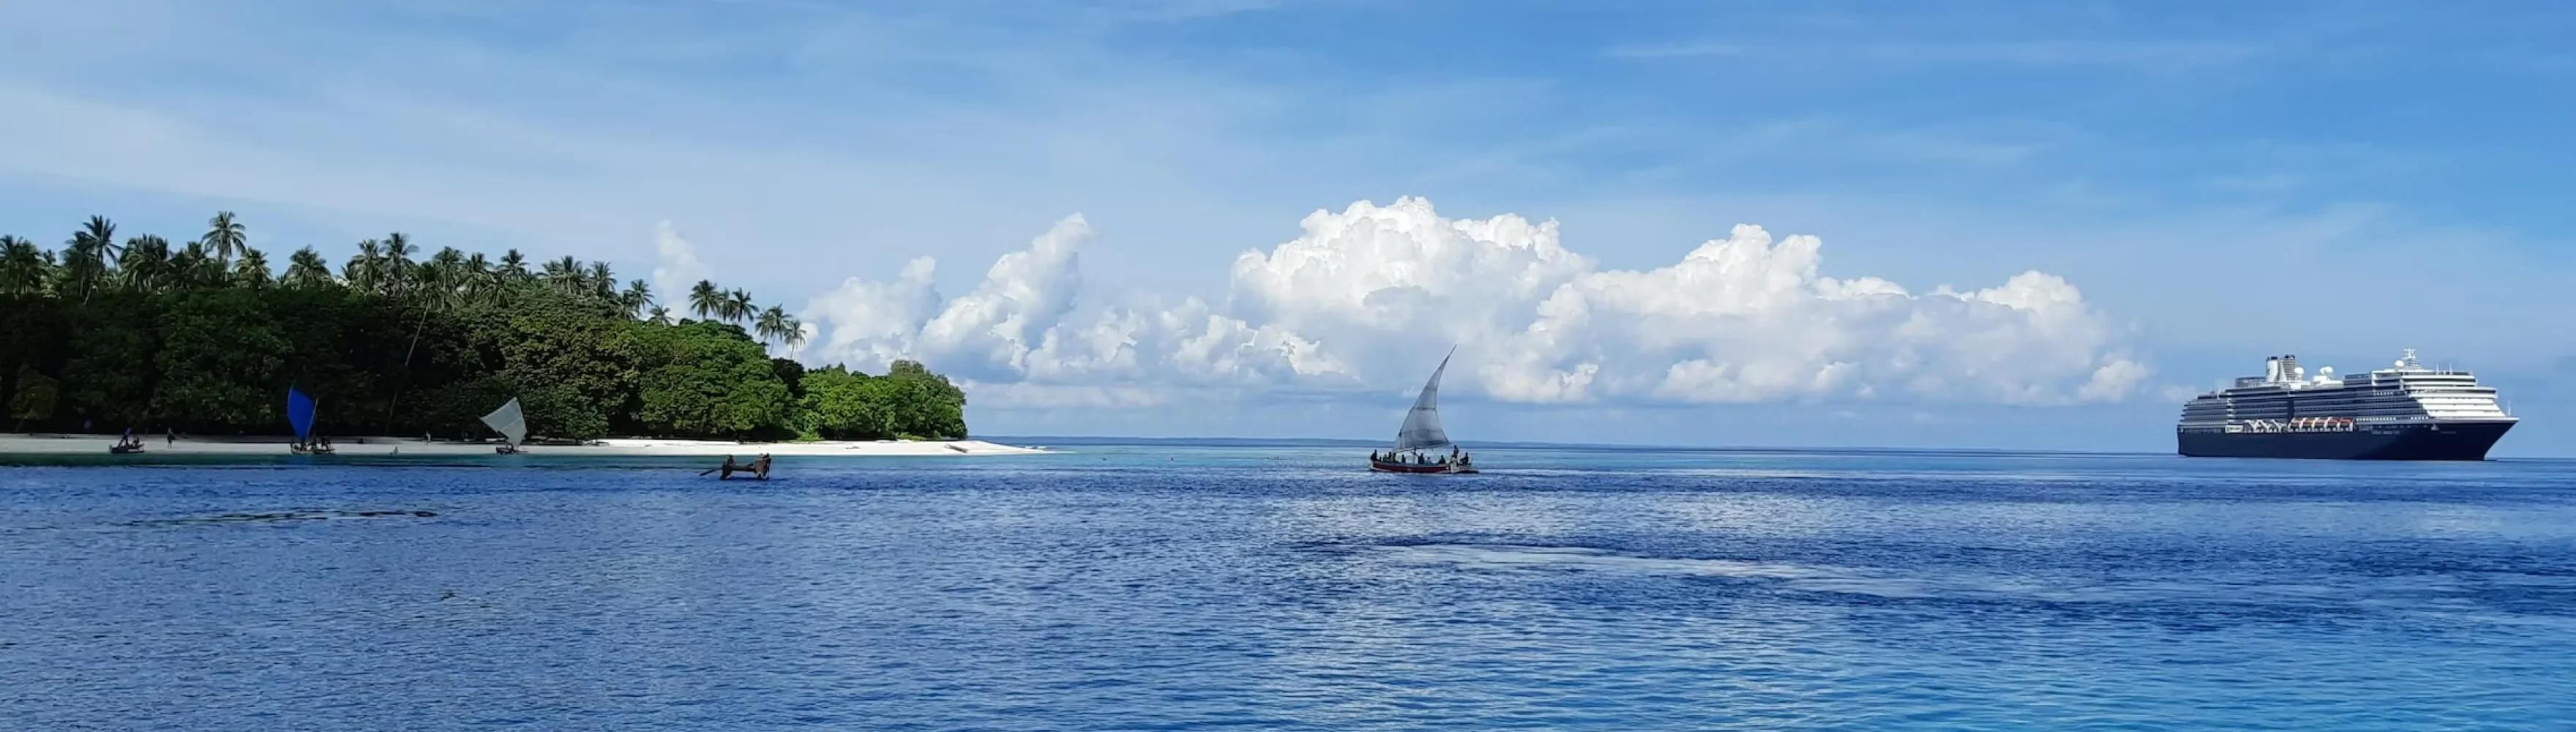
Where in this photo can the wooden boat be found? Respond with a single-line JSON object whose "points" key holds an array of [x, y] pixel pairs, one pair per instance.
{"points": [[126, 444], [1419, 439], [299, 415], [511, 423], [1452, 468]]}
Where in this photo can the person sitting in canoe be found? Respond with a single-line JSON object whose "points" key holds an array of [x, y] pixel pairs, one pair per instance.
{"points": [[760, 467], [728, 469]]}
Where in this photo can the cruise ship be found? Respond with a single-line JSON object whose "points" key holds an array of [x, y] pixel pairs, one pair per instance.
{"points": [[2403, 412]]}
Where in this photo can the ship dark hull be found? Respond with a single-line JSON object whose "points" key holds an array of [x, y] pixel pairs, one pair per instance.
{"points": [[2454, 441]]}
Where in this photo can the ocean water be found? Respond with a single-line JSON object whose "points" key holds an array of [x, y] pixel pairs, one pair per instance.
{"points": [[1174, 586]]}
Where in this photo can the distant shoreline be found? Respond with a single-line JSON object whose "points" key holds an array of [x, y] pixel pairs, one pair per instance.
{"points": [[55, 444]]}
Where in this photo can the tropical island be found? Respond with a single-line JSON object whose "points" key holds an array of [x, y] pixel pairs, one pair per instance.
{"points": [[205, 337]]}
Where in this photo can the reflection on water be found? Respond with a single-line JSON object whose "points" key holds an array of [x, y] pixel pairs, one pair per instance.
{"points": [[1117, 587]]}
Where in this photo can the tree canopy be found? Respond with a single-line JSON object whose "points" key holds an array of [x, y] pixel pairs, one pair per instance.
{"points": [[202, 336]]}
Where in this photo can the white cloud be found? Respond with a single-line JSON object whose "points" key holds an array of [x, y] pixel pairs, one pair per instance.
{"points": [[2114, 381], [872, 323], [1367, 298], [675, 267], [993, 329]]}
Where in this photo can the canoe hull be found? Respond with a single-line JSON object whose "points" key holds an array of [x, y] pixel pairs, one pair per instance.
{"points": [[1419, 469]]}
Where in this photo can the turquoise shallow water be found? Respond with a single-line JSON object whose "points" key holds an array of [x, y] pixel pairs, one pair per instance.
{"points": [[1163, 586]]}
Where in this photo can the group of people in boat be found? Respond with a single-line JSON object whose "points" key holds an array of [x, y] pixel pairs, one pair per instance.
{"points": [[317, 445], [1455, 457], [758, 468], [126, 444]]}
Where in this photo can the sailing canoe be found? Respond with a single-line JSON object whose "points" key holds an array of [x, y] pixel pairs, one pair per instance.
{"points": [[1421, 432], [511, 423]]}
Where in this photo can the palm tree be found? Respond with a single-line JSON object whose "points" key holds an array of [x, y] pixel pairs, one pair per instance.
{"points": [[441, 278], [565, 276], [771, 324], [86, 257], [251, 270], [705, 300], [306, 268], [636, 298], [82, 269], [480, 285], [364, 269], [225, 236], [737, 306], [192, 268], [398, 270], [514, 265], [450, 263], [144, 266], [98, 229], [659, 314], [775, 325], [603, 281], [23, 266]]}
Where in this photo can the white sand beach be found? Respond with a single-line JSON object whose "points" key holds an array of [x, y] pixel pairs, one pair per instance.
{"points": [[51, 444]]}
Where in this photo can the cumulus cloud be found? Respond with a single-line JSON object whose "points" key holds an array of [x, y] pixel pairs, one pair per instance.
{"points": [[873, 323], [993, 330], [675, 265], [1368, 297]]}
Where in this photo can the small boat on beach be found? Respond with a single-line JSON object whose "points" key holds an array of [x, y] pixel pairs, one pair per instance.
{"points": [[1417, 442], [126, 444], [511, 423], [299, 414]]}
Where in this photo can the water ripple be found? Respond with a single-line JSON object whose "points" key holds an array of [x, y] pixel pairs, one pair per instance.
{"points": [[1170, 587]]}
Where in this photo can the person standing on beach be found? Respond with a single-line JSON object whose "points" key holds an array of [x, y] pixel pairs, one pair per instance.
{"points": [[169, 437]]}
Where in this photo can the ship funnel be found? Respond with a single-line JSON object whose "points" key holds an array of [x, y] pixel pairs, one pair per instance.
{"points": [[2281, 369]]}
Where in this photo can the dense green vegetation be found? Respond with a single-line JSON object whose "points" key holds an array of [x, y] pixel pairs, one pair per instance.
{"points": [[204, 337]]}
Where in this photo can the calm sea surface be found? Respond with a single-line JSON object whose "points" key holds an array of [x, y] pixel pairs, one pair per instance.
{"points": [[1135, 587]]}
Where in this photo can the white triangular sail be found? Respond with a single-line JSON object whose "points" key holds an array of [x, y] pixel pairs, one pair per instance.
{"points": [[1422, 425], [509, 421]]}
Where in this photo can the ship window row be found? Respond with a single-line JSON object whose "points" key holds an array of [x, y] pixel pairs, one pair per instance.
{"points": [[2355, 397], [2370, 412]]}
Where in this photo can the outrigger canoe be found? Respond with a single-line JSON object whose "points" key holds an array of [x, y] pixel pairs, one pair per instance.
{"points": [[1422, 434]]}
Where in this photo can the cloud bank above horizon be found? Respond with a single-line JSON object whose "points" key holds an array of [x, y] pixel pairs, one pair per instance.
{"points": [[1365, 300]]}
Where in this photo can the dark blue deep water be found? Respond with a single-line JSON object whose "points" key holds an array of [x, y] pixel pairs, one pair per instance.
{"points": [[1180, 587]]}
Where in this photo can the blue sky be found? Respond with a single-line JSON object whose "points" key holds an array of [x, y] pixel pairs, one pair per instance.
{"points": [[2220, 181]]}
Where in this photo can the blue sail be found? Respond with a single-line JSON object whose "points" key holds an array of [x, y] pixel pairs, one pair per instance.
{"points": [[299, 412]]}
